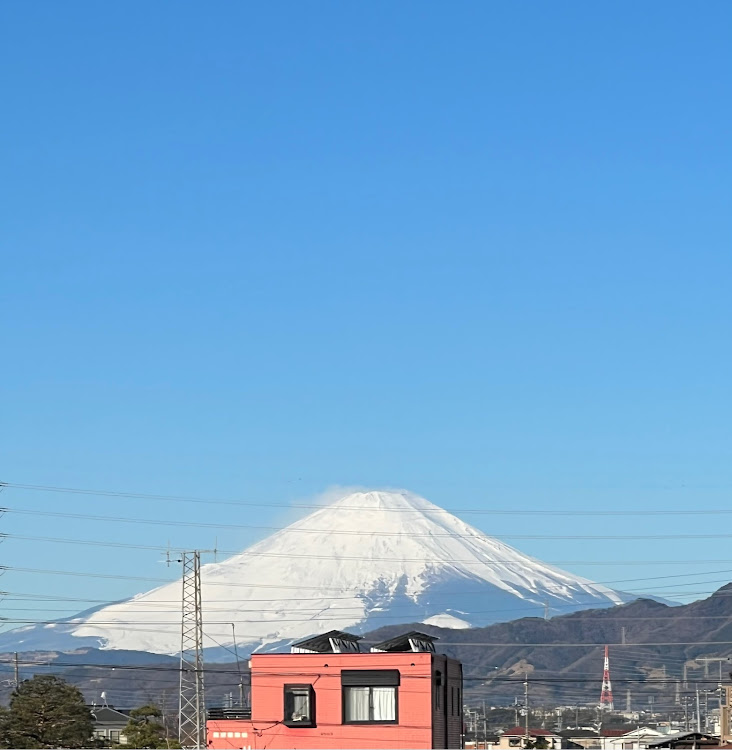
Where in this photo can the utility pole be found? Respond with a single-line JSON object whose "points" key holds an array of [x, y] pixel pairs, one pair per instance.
{"points": [[526, 708], [698, 712], [192, 707], [686, 677], [17, 671]]}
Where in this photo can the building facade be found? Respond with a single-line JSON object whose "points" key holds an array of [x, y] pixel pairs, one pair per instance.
{"points": [[327, 693]]}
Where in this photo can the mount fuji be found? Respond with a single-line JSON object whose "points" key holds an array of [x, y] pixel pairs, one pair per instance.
{"points": [[370, 559]]}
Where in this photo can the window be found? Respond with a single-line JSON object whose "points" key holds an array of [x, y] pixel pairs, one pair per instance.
{"points": [[370, 696], [299, 706], [369, 704], [114, 735], [438, 689]]}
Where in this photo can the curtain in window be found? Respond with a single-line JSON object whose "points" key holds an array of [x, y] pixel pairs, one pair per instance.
{"points": [[357, 703], [300, 706], [384, 701]]}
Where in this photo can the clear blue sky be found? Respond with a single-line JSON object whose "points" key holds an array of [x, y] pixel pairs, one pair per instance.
{"points": [[477, 250]]}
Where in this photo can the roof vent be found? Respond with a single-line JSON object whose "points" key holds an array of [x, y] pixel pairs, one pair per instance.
{"points": [[412, 641], [333, 642]]}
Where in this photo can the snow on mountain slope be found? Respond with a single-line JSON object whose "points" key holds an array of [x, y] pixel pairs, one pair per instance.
{"points": [[369, 559]]}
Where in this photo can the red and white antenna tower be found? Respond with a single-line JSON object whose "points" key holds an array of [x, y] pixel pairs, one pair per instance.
{"points": [[606, 697]]}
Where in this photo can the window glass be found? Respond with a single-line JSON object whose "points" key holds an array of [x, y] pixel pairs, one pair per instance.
{"points": [[298, 705], [357, 701], [369, 704], [383, 701]]}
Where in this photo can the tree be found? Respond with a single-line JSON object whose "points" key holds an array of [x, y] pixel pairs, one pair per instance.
{"points": [[47, 712], [146, 729]]}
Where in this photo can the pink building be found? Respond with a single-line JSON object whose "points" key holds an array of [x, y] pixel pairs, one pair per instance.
{"points": [[327, 693]]}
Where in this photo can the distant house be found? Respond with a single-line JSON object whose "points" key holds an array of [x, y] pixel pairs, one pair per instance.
{"points": [[636, 739], [516, 737], [588, 739], [490, 742], [109, 724], [686, 741], [585, 738]]}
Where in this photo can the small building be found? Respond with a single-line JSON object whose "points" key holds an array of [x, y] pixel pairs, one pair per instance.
{"points": [[516, 737], [109, 724], [328, 693], [636, 739], [687, 741], [588, 739]]}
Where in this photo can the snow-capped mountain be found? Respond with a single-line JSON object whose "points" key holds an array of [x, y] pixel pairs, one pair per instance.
{"points": [[369, 559]]}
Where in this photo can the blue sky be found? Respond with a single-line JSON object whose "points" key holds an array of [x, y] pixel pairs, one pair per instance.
{"points": [[477, 250]]}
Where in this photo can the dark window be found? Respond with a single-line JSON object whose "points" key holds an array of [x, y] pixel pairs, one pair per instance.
{"points": [[114, 735], [299, 706], [438, 688]]}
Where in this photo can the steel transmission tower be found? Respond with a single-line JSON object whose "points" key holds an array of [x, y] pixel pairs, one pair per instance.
{"points": [[192, 709], [606, 697]]}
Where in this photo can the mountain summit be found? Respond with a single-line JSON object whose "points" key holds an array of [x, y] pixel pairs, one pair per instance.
{"points": [[367, 560]]}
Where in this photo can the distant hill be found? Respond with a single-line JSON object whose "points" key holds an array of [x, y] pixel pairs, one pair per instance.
{"points": [[659, 641], [506, 651]]}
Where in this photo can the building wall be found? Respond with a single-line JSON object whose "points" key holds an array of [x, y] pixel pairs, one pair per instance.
{"points": [[270, 672], [447, 702]]}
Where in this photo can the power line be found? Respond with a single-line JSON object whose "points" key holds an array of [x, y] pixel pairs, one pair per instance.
{"points": [[316, 506], [357, 532], [150, 579], [232, 670], [339, 557]]}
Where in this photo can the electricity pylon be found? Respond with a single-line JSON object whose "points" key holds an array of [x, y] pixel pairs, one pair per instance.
{"points": [[192, 705]]}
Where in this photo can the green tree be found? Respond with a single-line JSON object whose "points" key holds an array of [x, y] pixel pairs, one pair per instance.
{"points": [[47, 712], [146, 729]]}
